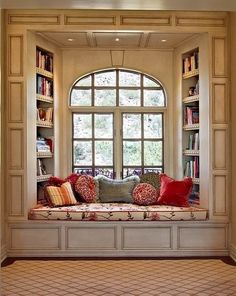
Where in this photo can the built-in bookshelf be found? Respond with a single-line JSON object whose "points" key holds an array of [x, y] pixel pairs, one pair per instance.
{"points": [[191, 121], [44, 120]]}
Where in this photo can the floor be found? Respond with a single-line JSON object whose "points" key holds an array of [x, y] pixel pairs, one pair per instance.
{"points": [[127, 277]]}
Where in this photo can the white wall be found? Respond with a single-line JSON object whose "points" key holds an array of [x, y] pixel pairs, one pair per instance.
{"points": [[233, 131], [76, 63]]}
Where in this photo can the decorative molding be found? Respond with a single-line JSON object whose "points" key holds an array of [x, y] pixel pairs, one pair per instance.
{"points": [[37, 19], [219, 57], [199, 21], [220, 195], [220, 148], [89, 20], [16, 195], [145, 20], [233, 252], [15, 102], [15, 55], [117, 58], [219, 103], [16, 149], [3, 252]]}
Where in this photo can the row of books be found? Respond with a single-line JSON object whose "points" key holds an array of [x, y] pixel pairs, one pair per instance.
{"points": [[191, 115], [44, 61], [45, 114], [193, 141], [190, 63], [44, 86], [41, 169], [44, 144], [192, 168]]}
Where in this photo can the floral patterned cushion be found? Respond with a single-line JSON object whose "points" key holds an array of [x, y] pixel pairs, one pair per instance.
{"points": [[85, 186], [145, 194]]}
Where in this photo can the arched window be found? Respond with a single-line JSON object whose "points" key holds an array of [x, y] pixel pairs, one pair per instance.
{"points": [[117, 123]]}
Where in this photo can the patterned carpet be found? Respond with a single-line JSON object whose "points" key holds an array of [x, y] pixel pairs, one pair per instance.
{"points": [[163, 277]]}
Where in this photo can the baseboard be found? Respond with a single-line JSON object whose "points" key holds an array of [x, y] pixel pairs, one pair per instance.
{"points": [[3, 252], [233, 252]]}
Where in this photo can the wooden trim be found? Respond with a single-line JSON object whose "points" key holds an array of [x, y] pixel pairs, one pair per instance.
{"points": [[199, 21], [20, 195], [225, 113], [225, 195], [89, 20], [219, 149], [19, 58], [19, 147], [218, 55], [146, 20], [12, 100], [37, 19]]}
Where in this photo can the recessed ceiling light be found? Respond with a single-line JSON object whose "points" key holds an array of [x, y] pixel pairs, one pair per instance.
{"points": [[163, 40], [70, 39], [117, 39]]}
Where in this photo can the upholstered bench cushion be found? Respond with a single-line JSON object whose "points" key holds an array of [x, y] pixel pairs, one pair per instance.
{"points": [[117, 212]]}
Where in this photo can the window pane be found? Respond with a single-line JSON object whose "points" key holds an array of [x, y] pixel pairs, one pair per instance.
{"points": [[82, 125], [105, 97], [82, 152], [154, 98], [103, 125], [103, 153], [108, 172], [131, 172], [152, 126], [83, 171], [129, 97], [131, 152], [105, 79], [81, 97], [131, 125], [86, 81], [147, 82], [129, 79], [152, 153]]}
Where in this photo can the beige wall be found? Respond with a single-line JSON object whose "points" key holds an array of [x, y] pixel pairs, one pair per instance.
{"points": [[233, 116], [77, 63]]}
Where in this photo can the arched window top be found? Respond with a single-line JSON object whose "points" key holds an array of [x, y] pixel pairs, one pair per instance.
{"points": [[117, 87]]}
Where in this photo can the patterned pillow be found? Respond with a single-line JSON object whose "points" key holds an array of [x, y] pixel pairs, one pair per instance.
{"points": [[86, 187], [145, 194], [151, 178], [61, 196]]}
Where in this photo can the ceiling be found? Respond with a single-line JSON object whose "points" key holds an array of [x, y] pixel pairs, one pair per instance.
{"points": [[99, 39], [201, 5]]}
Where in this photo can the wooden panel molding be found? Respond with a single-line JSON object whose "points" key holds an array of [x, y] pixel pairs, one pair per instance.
{"points": [[16, 195], [15, 102], [199, 21], [16, 149], [15, 55], [146, 20], [220, 195], [89, 20], [36, 19], [219, 57], [117, 58], [220, 148], [219, 103]]}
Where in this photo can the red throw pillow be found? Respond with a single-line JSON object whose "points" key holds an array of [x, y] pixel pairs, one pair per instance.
{"points": [[174, 193], [145, 194], [85, 186]]}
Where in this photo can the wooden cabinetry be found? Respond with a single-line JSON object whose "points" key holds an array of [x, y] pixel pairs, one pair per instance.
{"points": [[191, 120], [44, 122]]}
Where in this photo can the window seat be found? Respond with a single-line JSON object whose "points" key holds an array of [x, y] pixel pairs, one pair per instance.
{"points": [[117, 212]]}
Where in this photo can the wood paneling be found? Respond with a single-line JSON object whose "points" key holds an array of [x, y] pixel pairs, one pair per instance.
{"points": [[220, 195], [15, 58], [28, 19], [15, 102], [219, 57], [117, 58], [15, 149], [89, 20], [199, 21], [16, 195], [220, 139], [145, 20], [219, 103]]}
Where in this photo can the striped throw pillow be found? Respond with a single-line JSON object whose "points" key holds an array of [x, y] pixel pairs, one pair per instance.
{"points": [[61, 196]]}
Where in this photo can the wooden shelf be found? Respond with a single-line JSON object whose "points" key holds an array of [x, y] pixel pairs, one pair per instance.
{"points": [[44, 154], [44, 73], [44, 124], [43, 98], [191, 74], [191, 127], [188, 152], [191, 99], [43, 178]]}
